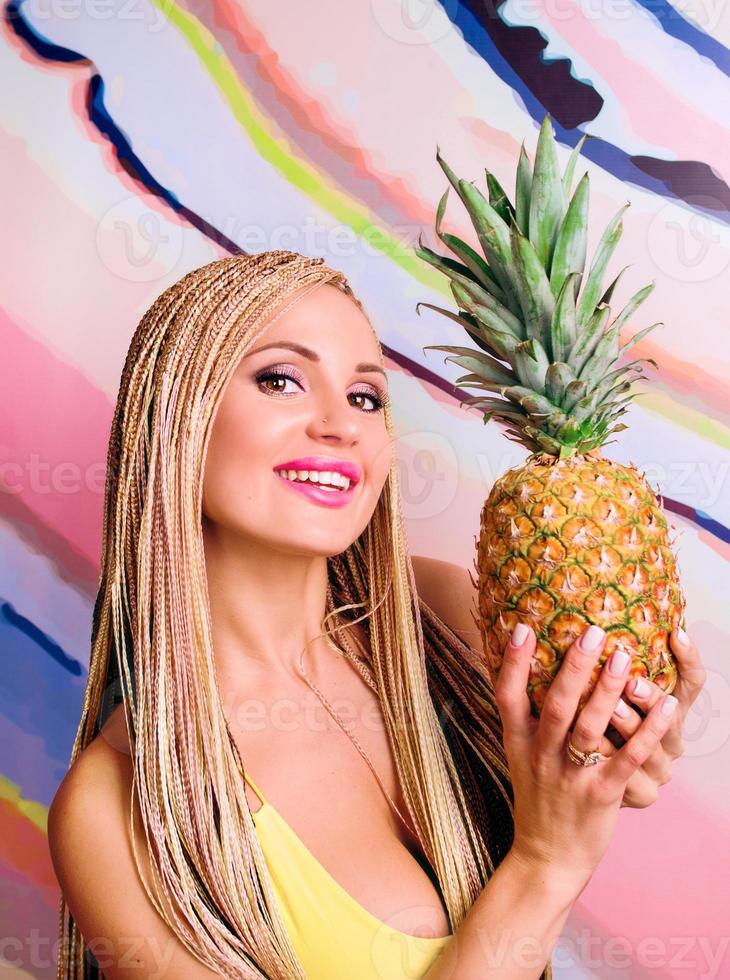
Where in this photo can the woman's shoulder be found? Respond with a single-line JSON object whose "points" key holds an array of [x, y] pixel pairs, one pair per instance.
{"points": [[91, 848], [105, 763], [449, 590], [94, 791], [92, 801]]}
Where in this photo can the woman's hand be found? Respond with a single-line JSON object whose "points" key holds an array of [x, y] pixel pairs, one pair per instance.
{"points": [[565, 814], [642, 788]]}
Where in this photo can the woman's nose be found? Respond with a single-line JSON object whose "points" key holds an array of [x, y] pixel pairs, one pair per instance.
{"points": [[337, 420]]}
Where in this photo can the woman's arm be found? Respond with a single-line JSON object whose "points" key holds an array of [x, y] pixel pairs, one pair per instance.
{"points": [[93, 859], [511, 929], [565, 816]]}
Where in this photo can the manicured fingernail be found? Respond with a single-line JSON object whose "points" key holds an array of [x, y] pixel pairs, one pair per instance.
{"points": [[668, 705], [591, 638], [622, 709], [519, 635], [641, 688], [617, 663], [682, 637]]}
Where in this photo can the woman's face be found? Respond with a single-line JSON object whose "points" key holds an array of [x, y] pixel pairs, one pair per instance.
{"points": [[272, 413]]}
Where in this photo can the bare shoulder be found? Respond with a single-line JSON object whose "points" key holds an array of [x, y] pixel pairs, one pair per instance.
{"points": [[449, 591], [91, 850], [96, 788], [100, 778]]}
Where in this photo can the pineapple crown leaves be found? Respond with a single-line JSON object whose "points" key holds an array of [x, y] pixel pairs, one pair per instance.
{"points": [[539, 314]]}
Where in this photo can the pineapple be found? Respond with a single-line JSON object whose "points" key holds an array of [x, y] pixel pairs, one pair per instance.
{"points": [[570, 537]]}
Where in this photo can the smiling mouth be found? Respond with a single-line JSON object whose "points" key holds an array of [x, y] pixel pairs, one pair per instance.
{"points": [[337, 481]]}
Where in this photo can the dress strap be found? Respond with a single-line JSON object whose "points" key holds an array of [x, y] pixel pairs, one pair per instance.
{"points": [[254, 787]]}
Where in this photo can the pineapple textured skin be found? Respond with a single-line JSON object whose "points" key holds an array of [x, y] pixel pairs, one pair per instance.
{"points": [[573, 542]]}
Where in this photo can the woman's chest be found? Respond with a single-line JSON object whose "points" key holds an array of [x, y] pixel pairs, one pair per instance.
{"points": [[314, 776]]}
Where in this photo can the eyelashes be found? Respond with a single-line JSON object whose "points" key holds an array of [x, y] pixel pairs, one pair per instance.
{"points": [[378, 397]]}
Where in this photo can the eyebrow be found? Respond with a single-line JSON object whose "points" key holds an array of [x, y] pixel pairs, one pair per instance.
{"points": [[311, 355]]}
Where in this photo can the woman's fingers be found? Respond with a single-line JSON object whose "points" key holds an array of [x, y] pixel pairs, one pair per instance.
{"points": [[640, 727], [561, 701], [658, 765], [510, 689], [596, 716], [691, 679], [619, 768], [692, 674], [641, 790], [624, 719]]}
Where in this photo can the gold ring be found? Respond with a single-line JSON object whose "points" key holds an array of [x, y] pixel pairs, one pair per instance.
{"points": [[584, 758]]}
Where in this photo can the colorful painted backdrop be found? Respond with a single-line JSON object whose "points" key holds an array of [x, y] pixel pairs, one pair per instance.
{"points": [[143, 138]]}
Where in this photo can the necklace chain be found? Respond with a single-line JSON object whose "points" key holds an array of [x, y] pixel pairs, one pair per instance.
{"points": [[367, 677]]}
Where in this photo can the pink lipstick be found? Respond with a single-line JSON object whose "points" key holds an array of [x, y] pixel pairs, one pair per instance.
{"points": [[336, 497], [324, 463], [326, 498]]}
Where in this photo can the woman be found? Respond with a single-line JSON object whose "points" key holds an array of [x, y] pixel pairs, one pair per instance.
{"points": [[225, 823]]}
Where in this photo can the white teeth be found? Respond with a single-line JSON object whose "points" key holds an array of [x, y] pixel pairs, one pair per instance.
{"points": [[325, 478]]}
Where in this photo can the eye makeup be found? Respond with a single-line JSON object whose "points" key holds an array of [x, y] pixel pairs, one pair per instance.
{"points": [[375, 393]]}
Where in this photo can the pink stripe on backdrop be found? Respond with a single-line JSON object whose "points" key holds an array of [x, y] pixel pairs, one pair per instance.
{"points": [[655, 898], [53, 446], [691, 380]]}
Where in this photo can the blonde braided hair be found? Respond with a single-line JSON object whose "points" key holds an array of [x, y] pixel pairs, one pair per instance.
{"points": [[151, 646]]}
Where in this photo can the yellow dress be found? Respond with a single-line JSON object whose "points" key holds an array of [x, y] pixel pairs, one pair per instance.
{"points": [[334, 936]]}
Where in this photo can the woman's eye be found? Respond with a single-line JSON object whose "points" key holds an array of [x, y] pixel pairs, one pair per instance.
{"points": [[280, 374], [374, 399], [273, 376]]}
